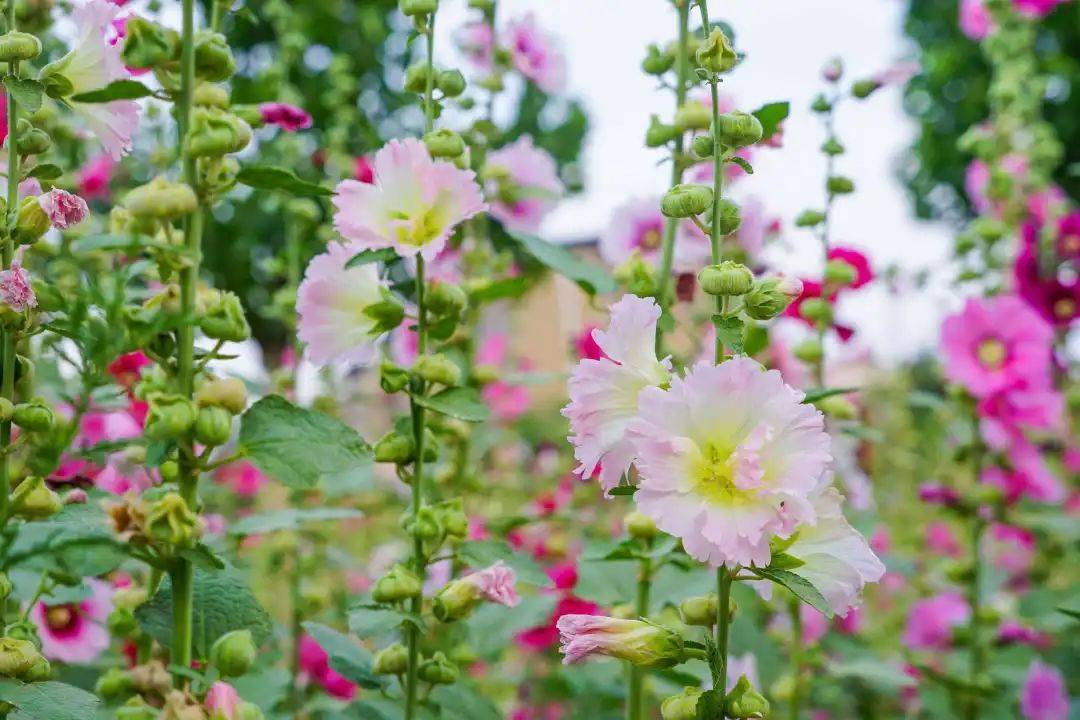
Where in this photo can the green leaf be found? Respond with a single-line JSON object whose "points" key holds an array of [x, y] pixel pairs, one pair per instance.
{"points": [[458, 702], [368, 621], [622, 491], [800, 586], [815, 394], [770, 116], [116, 90], [300, 447], [369, 256], [265, 177], [482, 553], [710, 706], [463, 403], [47, 701], [1072, 612], [591, 278], [730, 331], [743, 163], [78, 536], [26, 91], [289, 519], [222, 602], [500, 289], [201, 556], [346, 657], [45, 171]]}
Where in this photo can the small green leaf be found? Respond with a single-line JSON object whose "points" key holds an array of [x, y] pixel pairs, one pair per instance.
{"points": [[770, 116], [26, 91], [201, 556], [800, 586], [45, 171], [500, 289], [289, 519], [743, 163], [346, 657], [815, 394], [47, 701], [117, 90], [730, 330], [591, 278], [265, 177], [369, 256], [463, 403], [622, 491]]}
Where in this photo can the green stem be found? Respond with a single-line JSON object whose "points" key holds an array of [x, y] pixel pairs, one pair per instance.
{"points": [[796, 658], [295, 631], [635, 706], [724, 580], [7, 339], [830, 165], [979, 650]]}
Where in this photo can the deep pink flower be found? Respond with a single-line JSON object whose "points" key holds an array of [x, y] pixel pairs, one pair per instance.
{"points": [[534, 54], [315, 665], [1053, 292], [940, 539], [127, 368], [864, 274], [934, 494], [63, 208], [1010, 632], [931, 621], [585, 346], [75, 632], [242, 477], [1037, 8], [15, 289], [363, 170], [94, 177], [287, 117], [1044, 695], [975, 20], [1011, 548]]}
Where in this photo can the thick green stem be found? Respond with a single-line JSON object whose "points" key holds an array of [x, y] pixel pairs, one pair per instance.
{"points": [[796, 657], [7, 339], [724, 580], [978, 647], [635, 706]]}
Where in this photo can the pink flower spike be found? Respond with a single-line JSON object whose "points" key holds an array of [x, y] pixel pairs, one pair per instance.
{"points": [[496, 584], [63, 208], [287, 117]]}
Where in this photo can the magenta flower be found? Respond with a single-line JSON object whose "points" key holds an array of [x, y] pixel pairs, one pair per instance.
{"points": [[940, 539], [522, 184], [413, 205], [585, 346], [1011, 632], [75, 632], [864, 273], [1044, 696], [127, 368], [975, 20], [63, 208], [931, 621], [315, 666], [94, 177], [534, 54], [242, 477], [996, 344], [287, 117], [1011, 548], [363, 170], [1054, 294], [1037, 8], [496, 584], [15, 289]]}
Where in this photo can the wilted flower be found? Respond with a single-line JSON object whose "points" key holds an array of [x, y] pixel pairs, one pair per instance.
{"points": [[63, 208], [15, 289]]}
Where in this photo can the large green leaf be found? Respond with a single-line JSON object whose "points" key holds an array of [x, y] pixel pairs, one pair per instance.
{"points": [[800, 586], [300, 447], [79, 536], [47, 701], [459, 702], [264, 177], [117, 90], [770, 116], [591, 278], [346, 657], [26, 91], [289, 519], [368, 621], [463, 403]]}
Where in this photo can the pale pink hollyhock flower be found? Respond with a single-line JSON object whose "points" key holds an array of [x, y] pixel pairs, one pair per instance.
{"points": [[75, 632], [522, 184], [476, 41], [1011, 548], [637, 229], [940, 539], [728, 457], [997, 343], [94, 63], [535, 55], [15, 289], [604, 393], [404, 344], [94, 177], [975, 20], [836, 558], [242, 477], [331, 303], [814, 625], [63, 208], [881, 540], [898, 74], [315, 667], [496, 584], [222, 701], [636, 641], [1044, 696], [507, 401], [287, 117], [931, 621], [413, 205]]}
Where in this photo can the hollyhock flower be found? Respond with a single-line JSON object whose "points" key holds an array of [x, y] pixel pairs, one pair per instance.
{"points": [[522, 182], [864, 274], [940, 539], [364, 170], [94, 177], [495, 584], [604, 393], [507, 401], [897, 74], [75, 632], [1055, 295], [637, 229], [93, 64], [851, 623], [63, 208], [931, 621], [934, 494], [334, 305], [16, 290], [413, 205], [636, 641], [975, 20], [127, 368], [242, 477], [534, 55], [836, 558], [814, 625], [222, 701], [1037, 8], [585, 347], [1008, 411], [476, 40], [315, 667], [996, 343], [1044, 695], [287, 117], [728, 457], [1032, 481]]}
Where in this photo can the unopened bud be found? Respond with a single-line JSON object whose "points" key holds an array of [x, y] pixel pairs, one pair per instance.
{"points": [[452, 518], [213, 59], [455, 601], [437, 369], [716, 54], [683, 201], [398, 584], [863, 89], [213, 426], [161, 199], [113, 684], [770, 296], [170, 520], [726, 279], [839, 407], [659, 134], [738, 129], [30, 140], [444, 143], [840, 185], [215, 132], [745, 702], [682, 706], [832, 147], [224, 319], [234, 653], [392, 660], [692, 115], [227, 393], [451, 83], [32, 222], [33, 416], [121, 622], [809, 351], [394, 447], [147, 44], [170, 416], [416, 78], [136, 709], [656, 61], [840, 272], [703, 146], [809, 218], [817, 310], [412, 8], [446, 299], [17, 46], [438, 670], [730, 217], [33, 500], [700, 610], [17, 657], [392, 378]]}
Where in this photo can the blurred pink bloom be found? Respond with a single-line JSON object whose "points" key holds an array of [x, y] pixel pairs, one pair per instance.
{"points": [[898, 74], [1011, 632], [75, 632], [977, 179], [127, 368], [585, 346], [534, 54], [496, 584], [242, 477], [814, 625], [1037, 8], [522, 184], [1032, 480], [851, 622], [881, 540], [315, 665], [940, 539], [934, 494], [975, 19], [931, 621], [1055, 295], [413, 205], [475, 40], [63, 208], [1011, 548], [404, 344], [507, 402], [864, 273], [15, 289], [1011, 410], [1044, 696], [222, 701], [287, 117]]}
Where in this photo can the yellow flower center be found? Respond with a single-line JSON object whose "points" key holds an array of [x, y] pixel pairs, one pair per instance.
{"points": [[650, 240], [59, 616], [714, 477], [1065, 308], [991, 353]]}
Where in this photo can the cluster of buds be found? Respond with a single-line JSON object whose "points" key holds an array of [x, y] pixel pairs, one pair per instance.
{"points": [[167, 524]]}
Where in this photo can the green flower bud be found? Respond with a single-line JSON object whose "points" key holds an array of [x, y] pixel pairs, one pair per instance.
{"points": [[452, 518], [234, 653], [692, 115], [770, 296], [437, 369], [148, 45], [682, 706], [249, 711], [161, 199], [225, 320], [839, 407], [656, 61], [7, 410], [809, 351], [227, 393], [398, 584], [33, 500], [24, 630], [738, 129], [832, 147], [483, 5], [5, 587], [862, 89], [446, 299], [636, 275], [215, 132], [213, 58], [821, 104], [121, 623], [640, 526], [392, 660], [455, 601], [169, 520], [817, 310], [683, 201], [809, 218], [17, 46], [34, 416], [113, 684], [412, 8], [444, 143], [416, 78], [840, 272], [840, 185], [703, 146], [40, 671], [394, 447], [387, 314], [136, 709], [425, 525], [745, 702], [716, 54], [700, 610], [730, 217], [213, 426], [727, 278], [438, 670], [658, 133], [17, 657], [32, 141], [32, 222], [392, 378], [451, 83], [212, 95], [170, 416]]}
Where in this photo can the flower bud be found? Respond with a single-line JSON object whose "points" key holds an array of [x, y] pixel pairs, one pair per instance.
{"points": [[703, 146], [412, 8], [840, 185], [34, 416], [833, 70], [451, 83], [700, 610], [656, 62], [425, 525], [387, 314], [17, 657], [32, 141], [770, 296], [170, 520], [809, 218], [727, 278], [716, 54], [17, 46], [213, 95], [392, 660], [213, 58], [692, 115], [113, 684], [136, 709], [227, 393], [234, 653], [392, 378], [437, 369], [394, 447], [215, 132], [438, 670], [398, 584], [33, 500], [249, 711], [446, 299], [161, 199], [862, 89], [840, 272], [738, 129], [213, 426], [832, 147], [638, 642], [463, 655], [745, 702], [640, 526], [817, 310], [683, 201], [121, 622], [148, 45], [682, 706], [444, 143], [224, 319], [730, 217], [32, 222], [7, 410], [5, 586], [452, 518], [809, 351], [839, 407], [170, 416], [455, 601], [659, 134], [416, 78]]}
